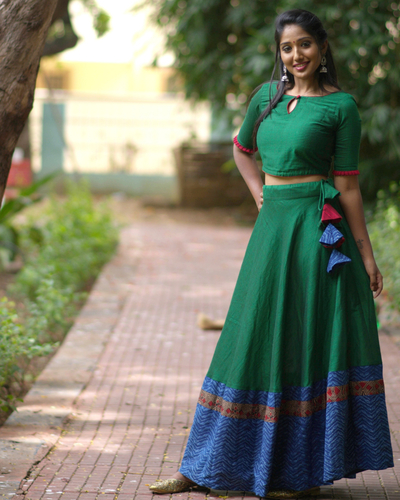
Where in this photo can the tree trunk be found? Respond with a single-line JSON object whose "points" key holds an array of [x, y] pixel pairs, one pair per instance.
{"points": [[23, 29]]}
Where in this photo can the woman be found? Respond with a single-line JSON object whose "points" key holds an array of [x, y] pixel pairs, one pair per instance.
{"points": [[294, 396]]}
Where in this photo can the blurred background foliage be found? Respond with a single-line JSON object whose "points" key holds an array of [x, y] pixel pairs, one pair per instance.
{"points": [[224, 49], [384, 230]]}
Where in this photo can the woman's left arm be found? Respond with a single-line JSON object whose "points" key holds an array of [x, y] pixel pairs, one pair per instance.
{"points": [[351, 202]]}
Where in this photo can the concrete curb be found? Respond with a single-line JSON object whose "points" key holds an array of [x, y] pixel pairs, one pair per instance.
{"points": [[29, 433]]}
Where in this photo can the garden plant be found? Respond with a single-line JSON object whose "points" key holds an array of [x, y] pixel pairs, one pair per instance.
{"points": [[64, 251]]}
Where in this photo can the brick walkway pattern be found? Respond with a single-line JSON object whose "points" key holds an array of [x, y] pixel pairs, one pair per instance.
{"points": [[132, 420]]}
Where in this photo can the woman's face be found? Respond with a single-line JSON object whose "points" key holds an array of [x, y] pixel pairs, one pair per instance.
{"points": [[300, 52]]}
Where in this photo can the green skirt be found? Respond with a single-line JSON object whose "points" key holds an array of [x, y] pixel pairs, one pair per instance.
{"points": [[292, 321], [294, 396]]}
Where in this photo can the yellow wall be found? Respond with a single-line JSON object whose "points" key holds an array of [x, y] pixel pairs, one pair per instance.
{"points": [[102, 77]]}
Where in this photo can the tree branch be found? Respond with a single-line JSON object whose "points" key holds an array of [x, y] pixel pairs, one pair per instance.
{"points": [[55, 45]]}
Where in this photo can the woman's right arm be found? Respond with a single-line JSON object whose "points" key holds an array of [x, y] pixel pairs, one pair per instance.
{"points": [[249, 170]]}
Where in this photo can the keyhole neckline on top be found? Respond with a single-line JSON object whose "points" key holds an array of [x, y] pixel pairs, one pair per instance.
{"points": [[297, 97], [293, 101]]}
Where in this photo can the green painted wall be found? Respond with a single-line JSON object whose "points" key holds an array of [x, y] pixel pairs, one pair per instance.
{"points": [[53, 137]]}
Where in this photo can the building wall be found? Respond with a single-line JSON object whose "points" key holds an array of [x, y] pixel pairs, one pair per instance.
{"points": [[102, 77], [114, 136]]}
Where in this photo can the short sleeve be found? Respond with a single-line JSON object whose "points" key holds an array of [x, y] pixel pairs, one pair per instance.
{"points": [[244, 140], [347, 141]]}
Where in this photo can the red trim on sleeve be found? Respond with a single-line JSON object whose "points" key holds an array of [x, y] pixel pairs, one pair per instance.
{"points": [[246, 150], [346, 172]]}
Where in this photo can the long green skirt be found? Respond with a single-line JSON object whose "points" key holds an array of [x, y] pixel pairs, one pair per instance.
{"points": [[294, 396]]}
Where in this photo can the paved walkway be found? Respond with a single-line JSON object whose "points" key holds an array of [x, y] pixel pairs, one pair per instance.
{"points": [[131, 420]]}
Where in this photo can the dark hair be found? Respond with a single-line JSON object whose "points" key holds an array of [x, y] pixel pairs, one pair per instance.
{"points": [[312, 25]]}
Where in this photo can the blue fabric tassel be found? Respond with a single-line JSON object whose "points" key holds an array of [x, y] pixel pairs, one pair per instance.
{"points": [[332, 237], [337, 260]]}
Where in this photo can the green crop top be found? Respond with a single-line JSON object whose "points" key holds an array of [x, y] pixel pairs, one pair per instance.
{"points": [[304, 141]]}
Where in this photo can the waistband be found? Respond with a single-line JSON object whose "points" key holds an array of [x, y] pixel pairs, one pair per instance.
{"points": [[323, 189]]}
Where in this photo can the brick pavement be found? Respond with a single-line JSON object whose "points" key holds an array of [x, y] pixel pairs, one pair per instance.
{"points": [[131, 422]]}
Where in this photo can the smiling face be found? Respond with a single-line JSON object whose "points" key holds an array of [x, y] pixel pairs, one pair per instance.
{"points": [[300, 52]]}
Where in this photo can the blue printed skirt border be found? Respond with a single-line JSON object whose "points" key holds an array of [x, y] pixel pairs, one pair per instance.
{"points": [[296, 439]]}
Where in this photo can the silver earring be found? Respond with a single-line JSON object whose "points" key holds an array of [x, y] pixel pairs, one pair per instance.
{"points": [[284, 76], [323, 69]]}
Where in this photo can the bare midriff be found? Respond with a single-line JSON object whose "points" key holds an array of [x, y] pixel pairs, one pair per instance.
{"points": [[274, 180]]}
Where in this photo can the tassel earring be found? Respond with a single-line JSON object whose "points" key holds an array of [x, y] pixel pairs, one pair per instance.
{"points": [[323, 69], [284, 76]]}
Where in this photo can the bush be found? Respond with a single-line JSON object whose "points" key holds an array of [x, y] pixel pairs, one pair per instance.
{"points": [[384, 228], [64, 251], [76, 240], [9, 234], [16, 345]]}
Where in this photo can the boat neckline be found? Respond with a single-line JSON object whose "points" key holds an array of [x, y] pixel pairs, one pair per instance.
{"points": [[313, 96]]}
